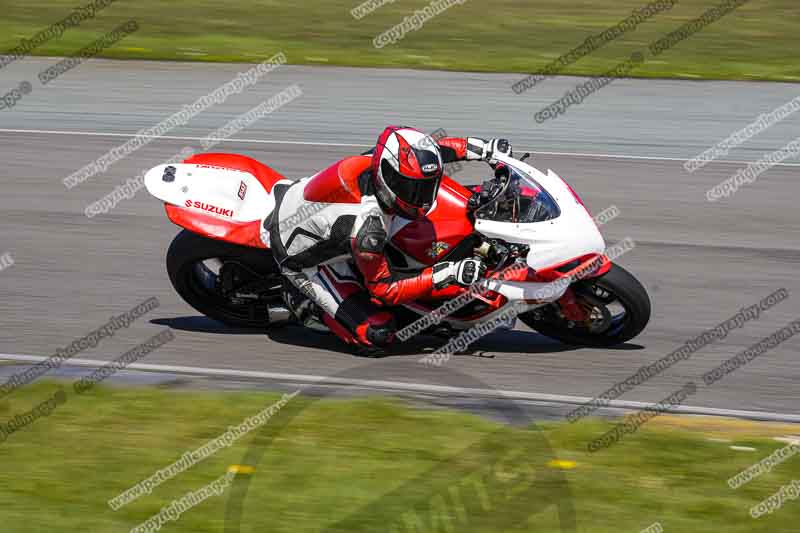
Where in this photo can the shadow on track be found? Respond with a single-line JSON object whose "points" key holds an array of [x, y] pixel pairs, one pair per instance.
{"points": [[499, 342], [203, 324], [494, 343]]}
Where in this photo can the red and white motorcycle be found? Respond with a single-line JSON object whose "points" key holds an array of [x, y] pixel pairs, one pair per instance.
{"points": [[220, 263]]}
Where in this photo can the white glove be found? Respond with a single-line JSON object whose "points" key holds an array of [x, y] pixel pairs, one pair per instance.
{"points": [[496, 146], [464, 273], [481, 150]]}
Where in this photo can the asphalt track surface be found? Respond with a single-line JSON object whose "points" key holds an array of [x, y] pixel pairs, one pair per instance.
{"points": [[624, 146]]}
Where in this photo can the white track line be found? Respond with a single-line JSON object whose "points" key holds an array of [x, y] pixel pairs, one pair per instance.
{"points": [[347, 145], [178, 138], [412, 387]]}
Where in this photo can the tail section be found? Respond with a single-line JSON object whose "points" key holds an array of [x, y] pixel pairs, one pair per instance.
{"points": [[221, 196]]}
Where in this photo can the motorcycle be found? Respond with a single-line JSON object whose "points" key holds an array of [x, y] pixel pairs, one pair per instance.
{"points": [[540, 243]]}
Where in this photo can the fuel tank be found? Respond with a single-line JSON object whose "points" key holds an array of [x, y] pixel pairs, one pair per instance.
{"points": [[430, 239]]}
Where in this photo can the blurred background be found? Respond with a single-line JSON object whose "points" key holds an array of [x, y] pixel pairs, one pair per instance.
{"points": [[483, 443]]}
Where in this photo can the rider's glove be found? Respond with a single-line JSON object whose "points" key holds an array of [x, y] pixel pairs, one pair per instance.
{"points": [[464, 273], [481, 150], [496, 146]]}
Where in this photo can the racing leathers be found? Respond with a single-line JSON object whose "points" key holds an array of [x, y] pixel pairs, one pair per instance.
{"points": [[328, 233]]}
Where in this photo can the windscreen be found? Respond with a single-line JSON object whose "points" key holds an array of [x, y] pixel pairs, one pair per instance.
{"points": [[524, 201]]}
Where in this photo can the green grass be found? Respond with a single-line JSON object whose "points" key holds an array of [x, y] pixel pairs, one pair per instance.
{"points": [[757, 41], [370, 464]]}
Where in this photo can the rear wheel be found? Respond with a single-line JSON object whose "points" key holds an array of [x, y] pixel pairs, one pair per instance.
{"points": [[617, 305], [227, 282]]}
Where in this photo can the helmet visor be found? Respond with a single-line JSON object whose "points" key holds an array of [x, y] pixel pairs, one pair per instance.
{"points": [[419, 192]]}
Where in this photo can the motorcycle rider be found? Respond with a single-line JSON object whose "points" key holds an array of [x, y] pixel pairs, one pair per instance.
{"points": [[318, 231]]}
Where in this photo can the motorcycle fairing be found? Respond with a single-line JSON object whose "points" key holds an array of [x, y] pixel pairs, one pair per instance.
{"points": [[337, 183], [221, 196], [429, 239], [244, 233]]}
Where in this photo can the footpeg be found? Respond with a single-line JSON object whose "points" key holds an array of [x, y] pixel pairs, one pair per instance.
{"points": [[278, 315]]}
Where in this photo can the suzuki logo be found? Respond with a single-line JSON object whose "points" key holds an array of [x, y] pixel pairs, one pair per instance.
{"points": [[210, 208]]}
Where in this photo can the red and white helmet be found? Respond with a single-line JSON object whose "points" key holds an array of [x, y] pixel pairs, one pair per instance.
{"points": [[406, 171]]}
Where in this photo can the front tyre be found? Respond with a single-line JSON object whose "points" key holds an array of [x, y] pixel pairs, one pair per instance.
{"points": [[617, 304]]}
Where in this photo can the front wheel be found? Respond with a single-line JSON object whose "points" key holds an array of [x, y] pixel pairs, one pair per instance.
{"points": [[617, 305]]}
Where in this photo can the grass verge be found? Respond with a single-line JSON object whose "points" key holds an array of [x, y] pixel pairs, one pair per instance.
{"points": [[375, 465], [499, 36]]}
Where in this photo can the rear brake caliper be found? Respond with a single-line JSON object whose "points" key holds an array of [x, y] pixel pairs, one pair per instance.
{"points": [[238, 283], [229, 279], [571, 309]]}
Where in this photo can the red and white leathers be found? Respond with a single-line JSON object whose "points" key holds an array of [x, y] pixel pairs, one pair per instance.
{"points": [[328, 232]]}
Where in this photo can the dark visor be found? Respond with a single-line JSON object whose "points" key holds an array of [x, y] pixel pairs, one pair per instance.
{"points": [[418, 192]]}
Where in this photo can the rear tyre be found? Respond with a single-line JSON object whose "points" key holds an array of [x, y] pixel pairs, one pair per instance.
{"points": [[228, 282], [618, 304]]}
